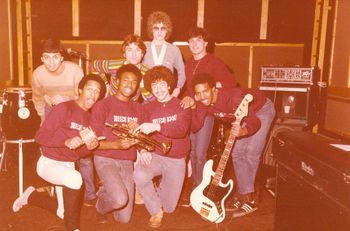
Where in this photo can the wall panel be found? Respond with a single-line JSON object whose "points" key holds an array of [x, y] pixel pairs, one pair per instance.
{"points": [[337, 117], [106, 19], [229, 20], [290, 21], [237, 60], [5, 65]]}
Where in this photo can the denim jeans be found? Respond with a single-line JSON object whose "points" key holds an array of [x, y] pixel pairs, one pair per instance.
{"points": [[117, 191], [199, 146], [87, 172], [247, 151], [166, 196]]}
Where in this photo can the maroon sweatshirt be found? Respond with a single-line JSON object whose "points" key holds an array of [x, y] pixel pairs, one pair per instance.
{"points": [[63, 122], [114, 111], [224, 107], [175, 125], [209, 64]]}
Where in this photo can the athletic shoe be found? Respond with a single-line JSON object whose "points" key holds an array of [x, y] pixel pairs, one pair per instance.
{"points": [[23, 199], [246, 208], [233, 204]]}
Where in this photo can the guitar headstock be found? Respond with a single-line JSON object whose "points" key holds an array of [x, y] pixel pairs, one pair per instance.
{"points": [[242, 109]]}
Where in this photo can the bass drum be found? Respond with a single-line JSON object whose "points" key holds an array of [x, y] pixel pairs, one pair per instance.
{"points": [[19, 119]]}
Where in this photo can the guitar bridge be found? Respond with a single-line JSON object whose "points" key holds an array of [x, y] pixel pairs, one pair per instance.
{"points": [[204, 212]]}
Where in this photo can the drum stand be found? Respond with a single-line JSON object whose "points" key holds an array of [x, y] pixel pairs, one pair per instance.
{"points": [[20, 143]]}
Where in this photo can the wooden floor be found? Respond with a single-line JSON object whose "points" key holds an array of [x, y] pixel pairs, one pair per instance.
{"points": [[32, 218]]}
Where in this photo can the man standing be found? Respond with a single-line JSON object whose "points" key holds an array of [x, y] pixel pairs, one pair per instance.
{"points": [[202, 62], [162, 53], [251, 134]]}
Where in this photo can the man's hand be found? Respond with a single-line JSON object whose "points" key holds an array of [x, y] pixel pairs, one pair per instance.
{"points": [[218, 85], [187, 102], [176, 92], [238, 131], [145, 157], [148, 128], [73, 143], [133, 125], [57, 99], [92, 144], [125, 143]]}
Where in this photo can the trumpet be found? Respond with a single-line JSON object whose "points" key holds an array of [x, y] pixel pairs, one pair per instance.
{"points": [[146, 142]]}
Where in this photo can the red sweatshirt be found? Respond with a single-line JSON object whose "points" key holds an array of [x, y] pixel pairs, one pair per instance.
{"points": [[63, 122], [114, 111], [225, 106], [209, 64], [175, 125]]}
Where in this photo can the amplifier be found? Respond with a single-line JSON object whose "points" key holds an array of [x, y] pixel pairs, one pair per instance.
{"points": [[294, 92], [288, 75], [313, 183]]}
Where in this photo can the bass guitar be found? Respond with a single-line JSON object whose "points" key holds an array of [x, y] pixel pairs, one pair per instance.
{"points": [[209, 196]]}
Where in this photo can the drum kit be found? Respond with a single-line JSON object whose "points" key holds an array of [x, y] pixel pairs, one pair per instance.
{"points": [[19, 122]]}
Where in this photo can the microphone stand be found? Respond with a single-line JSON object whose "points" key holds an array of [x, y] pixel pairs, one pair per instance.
{"points": [[81, 58]]}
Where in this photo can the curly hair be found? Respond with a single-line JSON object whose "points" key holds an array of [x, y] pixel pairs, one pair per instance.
{"points": [[133, 38], [199, 32], [159, 73], [159, 17]]}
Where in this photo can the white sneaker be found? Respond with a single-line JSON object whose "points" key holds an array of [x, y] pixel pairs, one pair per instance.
{"points": [[23, 199]]}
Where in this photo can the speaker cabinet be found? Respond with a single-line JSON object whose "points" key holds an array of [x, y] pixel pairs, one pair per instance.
{"points": [[293, 90], [296, 103], [301, 207], [313, 183], [267, 171], [279, 126]]}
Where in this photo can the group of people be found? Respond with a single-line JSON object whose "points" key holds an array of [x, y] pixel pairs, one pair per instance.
{"points": [[141, 93]]}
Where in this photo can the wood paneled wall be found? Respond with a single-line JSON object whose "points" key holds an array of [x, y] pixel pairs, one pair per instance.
{"points": [[243, 59], [293, 37], [6, 64], [336, 115]]}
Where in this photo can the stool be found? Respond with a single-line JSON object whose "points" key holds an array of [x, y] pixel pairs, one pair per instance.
{"points": [[20, 143]]}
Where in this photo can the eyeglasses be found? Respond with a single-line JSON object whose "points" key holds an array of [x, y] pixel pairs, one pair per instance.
{"points": [[159, 28]]}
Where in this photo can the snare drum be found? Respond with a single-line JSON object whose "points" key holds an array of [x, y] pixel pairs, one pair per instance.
{"points": [[19, 119]]}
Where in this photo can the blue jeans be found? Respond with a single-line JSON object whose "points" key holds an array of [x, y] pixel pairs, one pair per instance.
{"points": [[117, 191], [199, 146], [87, 172], [247, 151], [167, 195]]}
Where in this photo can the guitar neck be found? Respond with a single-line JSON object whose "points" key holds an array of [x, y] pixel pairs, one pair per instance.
{"points": [[224, 157]]}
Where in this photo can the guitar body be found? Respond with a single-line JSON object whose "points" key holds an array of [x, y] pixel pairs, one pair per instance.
{"points": [[209, 196], [208, 199]]}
